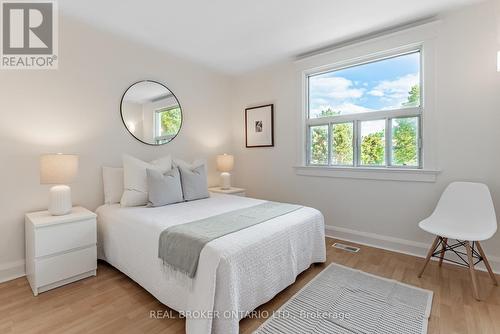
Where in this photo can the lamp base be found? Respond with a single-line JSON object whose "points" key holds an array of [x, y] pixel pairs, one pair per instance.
{"points": [[60, 200], [225, 179]]}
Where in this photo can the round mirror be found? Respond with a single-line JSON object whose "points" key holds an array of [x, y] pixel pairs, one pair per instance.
{"points": [[151, 112]]}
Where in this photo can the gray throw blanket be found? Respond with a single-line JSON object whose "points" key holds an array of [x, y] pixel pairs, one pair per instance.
{"points": [[180, 245]]}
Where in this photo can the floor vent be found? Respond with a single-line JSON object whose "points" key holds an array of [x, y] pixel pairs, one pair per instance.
{"points": [[347, 248]]}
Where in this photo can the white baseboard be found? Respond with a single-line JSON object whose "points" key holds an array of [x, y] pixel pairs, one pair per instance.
{"points": [[11, 270], [398, 245], [16, 269]]}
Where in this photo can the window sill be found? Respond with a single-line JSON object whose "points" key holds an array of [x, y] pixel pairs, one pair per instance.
{"points": [[370, 173]]}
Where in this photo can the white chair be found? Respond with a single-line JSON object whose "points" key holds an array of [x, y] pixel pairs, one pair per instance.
{"points": [[465, 212]]}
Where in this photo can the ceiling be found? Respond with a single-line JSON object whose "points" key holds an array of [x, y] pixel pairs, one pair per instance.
{"points": [[235, 36]]}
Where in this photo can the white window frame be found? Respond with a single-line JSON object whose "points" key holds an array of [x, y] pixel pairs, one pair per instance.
{"points": [[422, 38], [358, 118]]}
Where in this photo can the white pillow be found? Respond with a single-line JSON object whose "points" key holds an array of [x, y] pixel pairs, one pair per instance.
{"points": [[194, 182], [113, 184], [135, 179]]}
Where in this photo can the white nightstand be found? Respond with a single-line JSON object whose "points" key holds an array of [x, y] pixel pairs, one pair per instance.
{"points": [[60, 249], [231, 191]]}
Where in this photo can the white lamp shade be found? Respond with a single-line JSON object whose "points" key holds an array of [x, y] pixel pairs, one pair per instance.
{"points": [[225, 163], [58, 168]]}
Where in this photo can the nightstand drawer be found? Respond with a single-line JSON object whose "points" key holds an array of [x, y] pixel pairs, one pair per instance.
{"points": [[56, 268], [63, 237]]}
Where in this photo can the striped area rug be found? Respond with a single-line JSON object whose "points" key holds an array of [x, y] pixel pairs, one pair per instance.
{"points": [[344, 300]]}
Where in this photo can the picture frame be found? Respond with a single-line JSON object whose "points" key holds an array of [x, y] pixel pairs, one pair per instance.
{"points": [[259, 126]]}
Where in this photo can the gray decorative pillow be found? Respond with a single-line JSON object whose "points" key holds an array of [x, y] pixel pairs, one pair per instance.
{"points": [[164, 189], [194, 182]]}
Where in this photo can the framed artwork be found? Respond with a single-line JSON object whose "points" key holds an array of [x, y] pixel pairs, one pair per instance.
{"points": [[259, 126]]}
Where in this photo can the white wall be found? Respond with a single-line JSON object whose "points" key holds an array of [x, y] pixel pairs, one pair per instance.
{"points": [[133, 116], [386, 213], [75, 109]]}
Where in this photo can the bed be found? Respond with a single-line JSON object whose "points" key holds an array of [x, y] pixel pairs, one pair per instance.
{"points": [[236, 273]]}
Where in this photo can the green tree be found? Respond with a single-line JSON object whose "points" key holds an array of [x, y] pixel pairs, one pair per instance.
{"points": [[404, 133], [170, 120], [319, 144], [372, 149], [342, 149], [413, 97], [404, 140], [328, 112], [404, 137]]}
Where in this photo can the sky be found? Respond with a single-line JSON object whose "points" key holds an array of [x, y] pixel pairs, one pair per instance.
{"points": [[381, 85]]}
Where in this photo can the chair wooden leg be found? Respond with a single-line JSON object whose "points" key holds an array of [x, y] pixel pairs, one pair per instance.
{"points": [[429, 254], [471, 270], [486, 263], [443, 246]]}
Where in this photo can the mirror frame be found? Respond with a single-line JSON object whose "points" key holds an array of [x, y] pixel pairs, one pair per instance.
{"points": [[125, 125]]}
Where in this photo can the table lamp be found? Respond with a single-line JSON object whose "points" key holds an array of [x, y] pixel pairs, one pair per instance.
{"points": [[225, 163], [60, 170]]}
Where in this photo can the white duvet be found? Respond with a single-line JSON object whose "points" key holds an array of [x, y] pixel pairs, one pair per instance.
{"points": [[236, 273]]}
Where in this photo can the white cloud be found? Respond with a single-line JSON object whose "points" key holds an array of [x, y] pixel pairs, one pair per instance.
{"points": [[375, 92], [351, 108], [335, 87], [344, 108], [397, 90]]}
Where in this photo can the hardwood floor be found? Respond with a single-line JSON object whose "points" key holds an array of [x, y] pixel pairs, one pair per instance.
{"points": [[111, 302]]}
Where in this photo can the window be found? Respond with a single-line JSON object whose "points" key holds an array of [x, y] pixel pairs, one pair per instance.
{"points": [[367, 114], [372, 143], [167, 124], [342, 143]]}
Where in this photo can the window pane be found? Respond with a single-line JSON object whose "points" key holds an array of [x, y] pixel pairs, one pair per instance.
{"points": [[405, 141], [342, 148], [319, 145], [169, 122], [373, 143], [386, 84]]}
